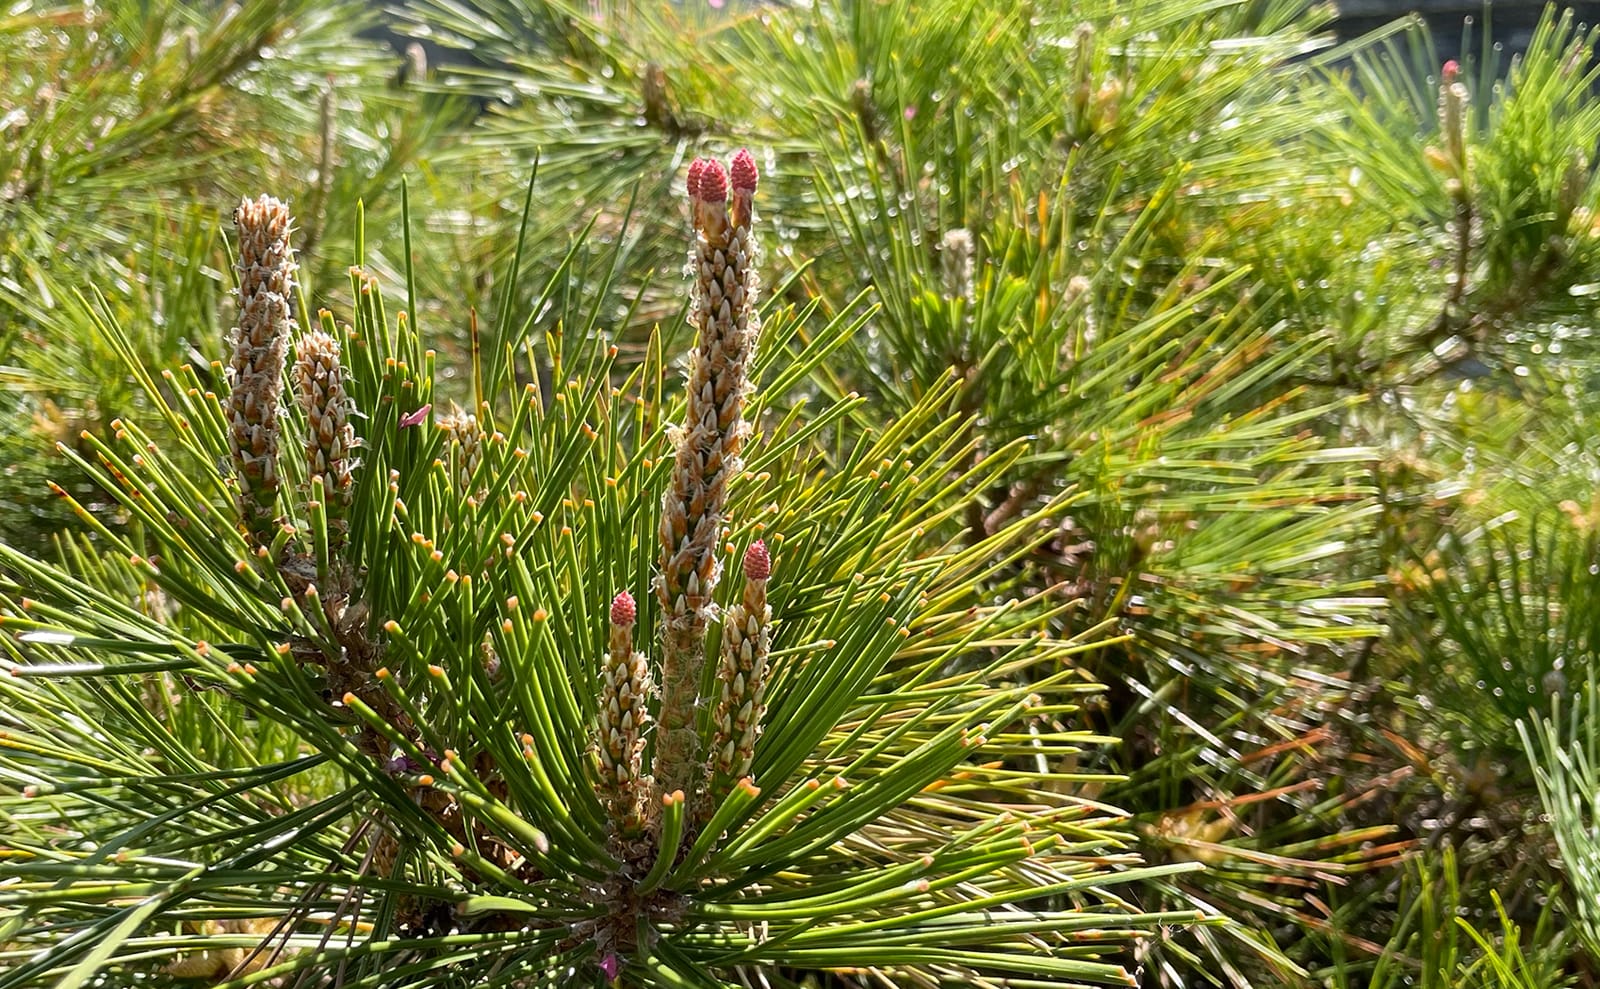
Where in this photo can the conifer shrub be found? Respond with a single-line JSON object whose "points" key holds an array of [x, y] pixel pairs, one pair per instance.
{"points": [[608, 683]]}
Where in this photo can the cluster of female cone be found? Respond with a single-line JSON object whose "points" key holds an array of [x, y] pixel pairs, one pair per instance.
{"points": [[708, 445]]}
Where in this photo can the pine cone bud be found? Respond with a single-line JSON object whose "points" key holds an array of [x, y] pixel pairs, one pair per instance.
{"points": [[708, 201], [693, 183], [743, 171], [623, 609], [713, 185], [757, 561], [743, 174]]}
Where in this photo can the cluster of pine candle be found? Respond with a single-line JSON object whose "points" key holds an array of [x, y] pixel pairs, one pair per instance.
{"points": [[656, 794], [553, 690]]}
